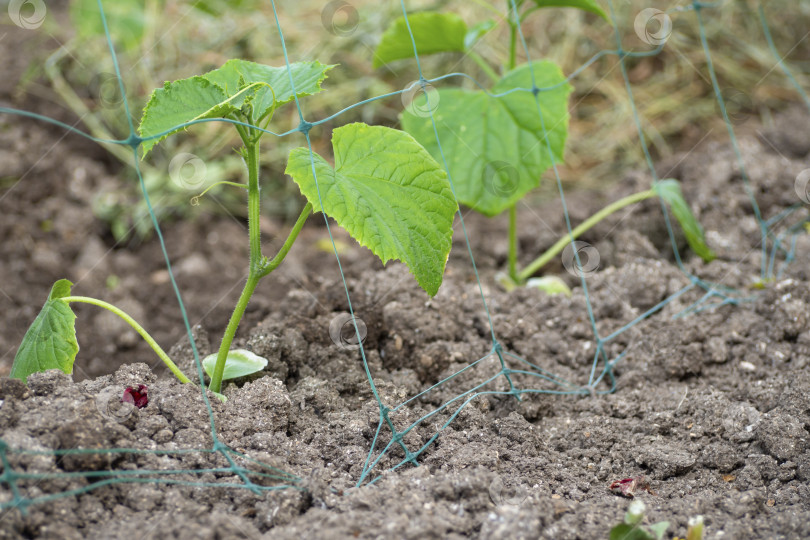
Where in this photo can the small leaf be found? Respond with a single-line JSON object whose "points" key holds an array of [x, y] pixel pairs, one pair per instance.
{"points": [[388, 193], [432, 33], [222, 92], [507, 283], [695, 531], [659, 529], [50, 342], [670, 191], [235, 74], [629, 532], [494, 145], [585, 5], [550, 285], [239, 363], [476, 32]]}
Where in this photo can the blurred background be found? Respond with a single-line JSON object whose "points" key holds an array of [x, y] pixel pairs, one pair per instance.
{"points": [[159, 40]]}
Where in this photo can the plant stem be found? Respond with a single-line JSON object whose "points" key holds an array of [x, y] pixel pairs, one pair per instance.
{"points": [[254, 267], [551, 252], [259, 266], [483, 65], [513, 244], [230, 331], [513, 25], [138, 328]]}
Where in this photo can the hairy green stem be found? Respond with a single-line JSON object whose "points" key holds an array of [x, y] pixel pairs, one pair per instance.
{"points": [[138, 328], [513, 243], [259, 266], [254, 267], [554, 250]]}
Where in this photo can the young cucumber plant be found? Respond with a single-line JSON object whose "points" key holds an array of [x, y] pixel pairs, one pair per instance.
{"points": [[497, 143], [384, 189]]}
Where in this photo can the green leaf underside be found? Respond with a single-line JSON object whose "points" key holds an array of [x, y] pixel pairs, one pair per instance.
{"points": [[670, 191], [388, 193], [50, 342], [223, 91], [494, 146], [550, 285], [432, 32], [239, 363], [585, 5], [630, 532], [477, 32]]}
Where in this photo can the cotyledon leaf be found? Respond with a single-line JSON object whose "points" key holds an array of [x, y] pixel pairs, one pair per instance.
{"points": [[494, 146], [239, 363], [50, 342], [388, 193]]}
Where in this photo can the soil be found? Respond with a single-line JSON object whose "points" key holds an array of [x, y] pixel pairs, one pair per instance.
{"points": [[712, 408]]}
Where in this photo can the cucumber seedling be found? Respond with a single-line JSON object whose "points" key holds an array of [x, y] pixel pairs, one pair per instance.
{"points": [[384, 188], [497, 142]]}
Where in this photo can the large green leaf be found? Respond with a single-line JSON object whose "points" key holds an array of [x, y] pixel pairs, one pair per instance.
{"points": [[670, 191], [50, 342], [239, 363], [388, 193], [126, 20], [586, 5], [494, 146], [432, 32], [224, 91]]}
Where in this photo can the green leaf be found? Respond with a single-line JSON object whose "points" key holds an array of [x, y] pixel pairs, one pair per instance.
{"points": [[629, 532], [126, 20], [388, 193], [586, 5], [239, 363], [659, 529], [695, 530], [235, 74], [476, 32], [432, 32], [494, 146], [550, 285], [180, 102], [222, 92], [670, 191], [50, 342]]}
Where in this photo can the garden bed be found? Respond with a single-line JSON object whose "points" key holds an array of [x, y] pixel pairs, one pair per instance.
{"points": [[712, 408]]}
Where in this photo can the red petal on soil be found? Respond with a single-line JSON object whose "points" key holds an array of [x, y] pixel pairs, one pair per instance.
{"points": [[137, 396], [627, 486]]}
